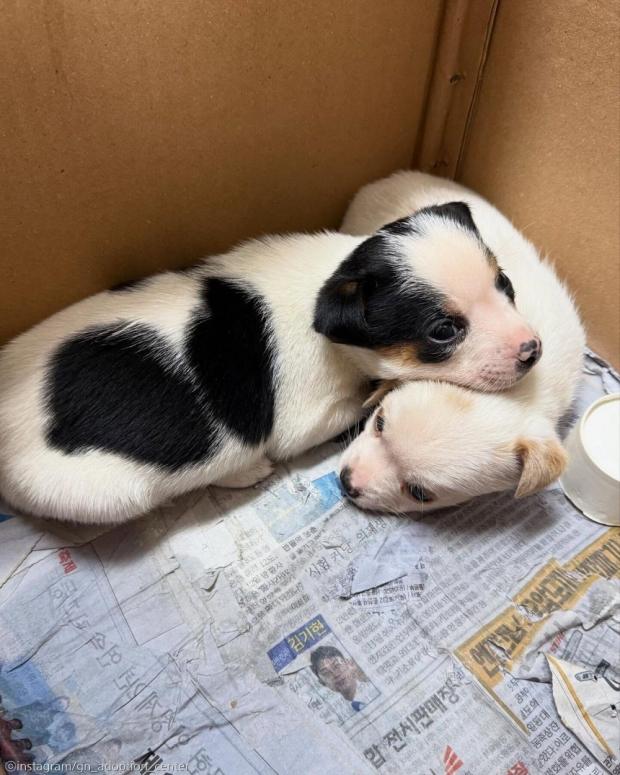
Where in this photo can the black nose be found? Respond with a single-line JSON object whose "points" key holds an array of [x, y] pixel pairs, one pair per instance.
{"points": [[529, 353], [345, 481]]}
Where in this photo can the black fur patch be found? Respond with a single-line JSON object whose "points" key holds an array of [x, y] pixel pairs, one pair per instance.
{"points": [[458, 212], [114, 388], [383, 311], [108, 389], [402, 226], [230, 353], [504, 285]]}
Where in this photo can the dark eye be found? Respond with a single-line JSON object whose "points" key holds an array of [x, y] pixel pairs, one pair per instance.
{"points": [[419, 493], [503, 284], [444, 331], [379, 422]]}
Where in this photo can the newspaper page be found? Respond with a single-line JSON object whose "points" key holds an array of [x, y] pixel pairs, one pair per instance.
{"points": [[281, 630]]}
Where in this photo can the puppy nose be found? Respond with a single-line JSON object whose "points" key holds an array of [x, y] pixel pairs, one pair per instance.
{"points": [[529, 353], [345, 481]]}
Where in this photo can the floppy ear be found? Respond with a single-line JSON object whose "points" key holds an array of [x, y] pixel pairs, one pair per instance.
{"points": [[381, 390], [458, 212], [340, 309], [542, 461]]}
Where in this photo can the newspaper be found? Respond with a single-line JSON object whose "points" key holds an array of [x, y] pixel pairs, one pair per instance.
{"points": [[280, 630]]}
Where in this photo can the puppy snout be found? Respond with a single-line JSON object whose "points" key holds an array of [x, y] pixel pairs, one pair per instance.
{"points": [[529, 353], [345, 481]]}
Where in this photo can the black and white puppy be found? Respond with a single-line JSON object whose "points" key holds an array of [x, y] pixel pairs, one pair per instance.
{"points": [[132, 396]]}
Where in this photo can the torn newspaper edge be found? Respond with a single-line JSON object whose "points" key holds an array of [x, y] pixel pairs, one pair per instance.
{"points": [[588, 702]]}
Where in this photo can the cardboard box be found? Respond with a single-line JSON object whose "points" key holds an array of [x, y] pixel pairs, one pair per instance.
{"points": [[137, 137]]}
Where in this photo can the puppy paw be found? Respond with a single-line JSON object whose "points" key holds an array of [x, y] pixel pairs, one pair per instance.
{"points": [[248, 476]]}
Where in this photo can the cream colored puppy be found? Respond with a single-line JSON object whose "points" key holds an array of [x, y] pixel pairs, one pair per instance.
{"points": [[430, 444]]}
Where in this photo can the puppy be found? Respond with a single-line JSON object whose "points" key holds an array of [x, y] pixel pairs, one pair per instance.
{"points": [[185, 379], [429, 445]]}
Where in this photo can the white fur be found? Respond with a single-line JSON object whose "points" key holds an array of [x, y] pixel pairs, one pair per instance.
{"points": [[322, 390], [320, 386], [454, 442]]}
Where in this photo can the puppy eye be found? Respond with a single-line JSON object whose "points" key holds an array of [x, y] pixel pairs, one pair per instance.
{"points": [[503, 284], [419, 493], [379, 422], [444, 331]]}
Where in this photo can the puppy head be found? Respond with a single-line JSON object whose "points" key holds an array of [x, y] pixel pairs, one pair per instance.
{"points": [[425, 298], [430, 445]]}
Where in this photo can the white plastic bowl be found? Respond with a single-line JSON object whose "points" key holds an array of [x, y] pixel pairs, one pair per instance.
{"points": [[592, 478]]}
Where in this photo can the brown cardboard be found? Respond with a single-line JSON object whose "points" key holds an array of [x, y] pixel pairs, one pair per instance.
{"points": [[543, 145], [139, 136], [464, 38]]}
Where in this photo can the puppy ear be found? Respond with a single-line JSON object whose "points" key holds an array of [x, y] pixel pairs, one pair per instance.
{"points": [[404, 226], [458, 212], [381, 390], [542, 461], [339, 313]]}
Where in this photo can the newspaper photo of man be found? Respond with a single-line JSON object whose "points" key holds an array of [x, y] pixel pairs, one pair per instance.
{"points": [[342, 675]]}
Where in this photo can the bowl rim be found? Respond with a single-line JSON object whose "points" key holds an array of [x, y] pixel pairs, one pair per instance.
{"points": [[580, 429]]}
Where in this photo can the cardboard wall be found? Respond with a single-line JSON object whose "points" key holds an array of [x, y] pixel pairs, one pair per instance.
{"points": [[142, 135], [543, 144]]}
